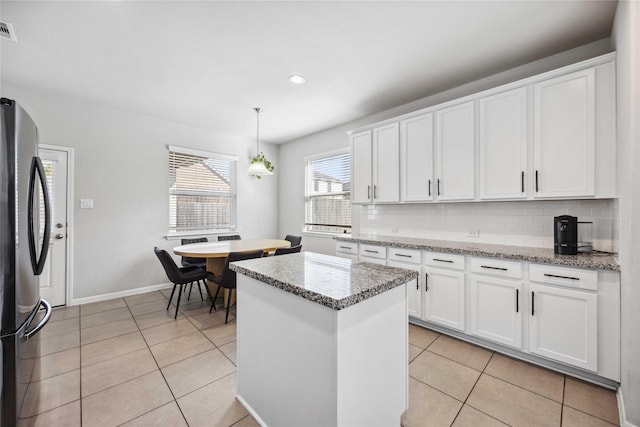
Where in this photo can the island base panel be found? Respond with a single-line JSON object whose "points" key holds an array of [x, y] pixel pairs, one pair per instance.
{"points": [[301, 363]]}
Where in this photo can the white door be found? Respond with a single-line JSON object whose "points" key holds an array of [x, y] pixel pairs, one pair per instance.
{"points": [[53, 280], [444, 297], [564, 136], [503, 145], [386, 164], [361, 167], [455, 155], [416, 158], [563, 325], [414, 293], [496, 309]]}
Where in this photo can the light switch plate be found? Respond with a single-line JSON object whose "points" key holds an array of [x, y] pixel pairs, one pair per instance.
{"points": [[86, 203], [473, 233]]}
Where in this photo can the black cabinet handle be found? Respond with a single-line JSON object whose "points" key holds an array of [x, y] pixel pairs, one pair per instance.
{"points": [[443, 260], [345, 247], [438, 186], [370, 251], [522, 182], [536, 181], [426, 282], [494, 268], [429, 188], [517, 300], [562, 277], [533, 304], [375, 191], [403, 255], [368, 191], [417, 285]]}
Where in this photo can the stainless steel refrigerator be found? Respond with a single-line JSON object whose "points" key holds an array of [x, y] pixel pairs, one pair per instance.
{"points": [[24, 238]]}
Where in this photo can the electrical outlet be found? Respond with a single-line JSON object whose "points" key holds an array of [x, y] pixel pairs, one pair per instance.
{"points": [[86, 203], [473, 233]]}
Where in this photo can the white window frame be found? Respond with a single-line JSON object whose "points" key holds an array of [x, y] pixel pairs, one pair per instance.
{"points": [[306, 189], [172, 235]]}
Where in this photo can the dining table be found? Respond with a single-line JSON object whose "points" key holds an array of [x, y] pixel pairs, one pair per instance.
{"points": [[216, 252]]}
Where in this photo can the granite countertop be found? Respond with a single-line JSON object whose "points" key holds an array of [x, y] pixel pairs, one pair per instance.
{"points": [[518, 253], [331, 281]]}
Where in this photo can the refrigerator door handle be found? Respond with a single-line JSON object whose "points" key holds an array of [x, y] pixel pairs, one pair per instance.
{"points": [[37, 263], [47, 315]]}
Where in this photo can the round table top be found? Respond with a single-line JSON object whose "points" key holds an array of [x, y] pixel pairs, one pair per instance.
{"points": [[223, 248]]}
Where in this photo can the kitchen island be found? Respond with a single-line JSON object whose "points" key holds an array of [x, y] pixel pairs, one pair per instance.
{"points": [[322, 341]]}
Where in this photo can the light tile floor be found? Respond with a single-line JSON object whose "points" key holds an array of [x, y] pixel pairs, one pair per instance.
{"points": [[128, 362]]}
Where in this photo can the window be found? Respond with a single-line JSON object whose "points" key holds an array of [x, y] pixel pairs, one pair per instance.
{"points": [[202, 192], [328, 193]]}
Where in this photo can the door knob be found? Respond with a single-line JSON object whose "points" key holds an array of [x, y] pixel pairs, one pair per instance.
{"points": [[59, 236]]}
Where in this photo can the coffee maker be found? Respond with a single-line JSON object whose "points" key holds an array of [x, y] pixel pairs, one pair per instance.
{"points": [[565, 235]]}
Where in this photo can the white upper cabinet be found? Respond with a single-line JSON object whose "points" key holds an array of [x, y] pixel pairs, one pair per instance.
{"points": [[550, 136], [361, 158], [564, 135], [455, 152], [502, 144], [375, 165], [416, 158], [386, 164]]}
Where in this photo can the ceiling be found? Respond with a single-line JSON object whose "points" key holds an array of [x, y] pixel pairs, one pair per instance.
{"points": [[208, 63]]}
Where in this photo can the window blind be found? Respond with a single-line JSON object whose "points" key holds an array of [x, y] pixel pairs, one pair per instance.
{"points": [[328, 194], [202, 191]]}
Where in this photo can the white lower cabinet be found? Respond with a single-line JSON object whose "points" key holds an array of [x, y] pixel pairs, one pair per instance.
{"points": [[373, 254], [443, 301], [414, 291], [495, 309], [562, 314], [347, 250], [563, 325]]}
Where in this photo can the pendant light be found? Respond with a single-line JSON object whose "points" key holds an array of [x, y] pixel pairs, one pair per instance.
{"points": [[259, 165]]}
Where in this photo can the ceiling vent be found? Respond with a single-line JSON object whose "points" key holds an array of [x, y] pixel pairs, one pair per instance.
{"points": [[6, 31]]}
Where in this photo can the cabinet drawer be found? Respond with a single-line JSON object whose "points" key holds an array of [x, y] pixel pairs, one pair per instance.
{"points": [[405, 255], [347, 248], [496, 267], [437, 259], [372, 260], [373, 251], [568, 277]]}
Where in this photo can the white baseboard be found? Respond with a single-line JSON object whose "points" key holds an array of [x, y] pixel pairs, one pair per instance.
{"points": [[120, 294], [623, 416]]}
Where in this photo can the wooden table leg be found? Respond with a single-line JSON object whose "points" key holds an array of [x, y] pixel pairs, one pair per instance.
{"points": [[216, 266]]}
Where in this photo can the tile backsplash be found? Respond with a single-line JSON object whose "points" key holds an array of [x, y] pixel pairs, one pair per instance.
{"points": [[521, 223]]}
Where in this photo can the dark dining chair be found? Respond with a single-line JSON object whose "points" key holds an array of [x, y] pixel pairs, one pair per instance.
{"points": [[229, 237], [291, 250], [228, 278], [188, 261], [179, 276], [295, 240]]}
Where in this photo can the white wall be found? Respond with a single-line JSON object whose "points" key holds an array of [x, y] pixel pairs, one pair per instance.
{"points": [[121, 161], [626, 40], [292, 154]]}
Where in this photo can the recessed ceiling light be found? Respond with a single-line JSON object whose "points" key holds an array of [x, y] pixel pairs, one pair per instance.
{"points": [[297, 79]]}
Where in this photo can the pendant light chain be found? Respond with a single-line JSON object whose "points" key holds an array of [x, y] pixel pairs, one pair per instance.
{"points": [[258, 111]]}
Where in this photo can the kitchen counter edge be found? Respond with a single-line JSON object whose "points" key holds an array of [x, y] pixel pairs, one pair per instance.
{"points": [[517, 253], [386, 278]]}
